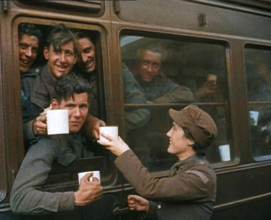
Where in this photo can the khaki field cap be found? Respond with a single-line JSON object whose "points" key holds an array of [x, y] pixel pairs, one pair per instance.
{"points": [[200, 124]]}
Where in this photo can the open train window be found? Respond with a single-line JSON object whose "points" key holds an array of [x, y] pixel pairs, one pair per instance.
{"points": [[32, 66], [172, 74], [258, 78]]}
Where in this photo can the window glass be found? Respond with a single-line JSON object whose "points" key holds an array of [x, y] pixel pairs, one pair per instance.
{"points": [[171, 74], [258, 74]]}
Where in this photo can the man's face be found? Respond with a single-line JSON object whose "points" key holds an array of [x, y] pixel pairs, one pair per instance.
{"points": [[149, 65], [87, 60], [28, 51], [179, 145], [77, 107], [62, 61], [211, 83]]}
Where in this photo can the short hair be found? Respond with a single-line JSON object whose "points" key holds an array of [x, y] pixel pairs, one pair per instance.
{"points": [[30, 30], [60, 35], [196, 147], [149, 48], [68, 85], [82, 34]]}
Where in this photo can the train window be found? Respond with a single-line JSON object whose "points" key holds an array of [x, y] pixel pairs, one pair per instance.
{"points": [[258, 75], [171, 74], [33, 66]]}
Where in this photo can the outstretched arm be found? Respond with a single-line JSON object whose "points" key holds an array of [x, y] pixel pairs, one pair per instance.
{"points": [[91, 126], [116, 146]]}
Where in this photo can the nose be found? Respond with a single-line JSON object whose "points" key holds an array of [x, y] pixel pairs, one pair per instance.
{"points": [[169, 132], [77, 112], [84, 57], [62, 57], [149, 68], [28, 52]]}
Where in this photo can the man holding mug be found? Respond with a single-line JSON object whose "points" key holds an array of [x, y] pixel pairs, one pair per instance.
{"points": [[26, 198]]}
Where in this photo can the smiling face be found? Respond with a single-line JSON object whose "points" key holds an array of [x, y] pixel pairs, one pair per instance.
{"points": [[28, 51], [87, 60], [62, 61], [179, 145], [149, 65], [77, 107]]}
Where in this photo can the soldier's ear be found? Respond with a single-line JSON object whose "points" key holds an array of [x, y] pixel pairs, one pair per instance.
{"points": [[75, 59], [190, 142], [46, 53]]}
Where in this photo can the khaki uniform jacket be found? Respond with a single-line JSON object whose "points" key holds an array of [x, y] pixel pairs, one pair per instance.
{"points": [[188, 192], [26, 196]]}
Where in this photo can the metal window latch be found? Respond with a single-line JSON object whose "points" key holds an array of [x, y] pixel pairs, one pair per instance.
{"points": [[202, 20], [120, 211]]}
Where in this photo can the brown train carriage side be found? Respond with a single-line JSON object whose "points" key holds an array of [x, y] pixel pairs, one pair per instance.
{"points": [[229, 38]]}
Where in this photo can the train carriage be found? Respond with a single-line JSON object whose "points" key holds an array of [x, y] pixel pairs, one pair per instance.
{"points": [[228, 39]]}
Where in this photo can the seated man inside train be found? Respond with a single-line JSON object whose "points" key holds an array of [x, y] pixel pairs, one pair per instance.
{"points": [[259, 89], [86, 67], [60, 52], [209, 90], [153, 82], [27, 196], [157, 88]]}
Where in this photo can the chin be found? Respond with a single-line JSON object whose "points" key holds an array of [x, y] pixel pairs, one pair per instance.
{"points": [[74, 130], [169, 151]]}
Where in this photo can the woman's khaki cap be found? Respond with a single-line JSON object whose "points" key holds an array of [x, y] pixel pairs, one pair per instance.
{"points": [[199, 123]]}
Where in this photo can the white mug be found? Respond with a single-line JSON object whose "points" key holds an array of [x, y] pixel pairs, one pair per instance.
{"points": [[57, 121], [225, 153], [112, 131], [254, 115], [95, 173]]}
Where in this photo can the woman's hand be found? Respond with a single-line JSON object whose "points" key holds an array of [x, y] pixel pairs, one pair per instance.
{"points": [[116, 146]]}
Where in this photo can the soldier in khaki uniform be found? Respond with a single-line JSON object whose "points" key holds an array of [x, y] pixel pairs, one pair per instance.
{"points": [[189, 191]]}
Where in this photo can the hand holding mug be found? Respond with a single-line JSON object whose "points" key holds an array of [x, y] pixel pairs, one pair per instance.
{"points": [[88, 191]]}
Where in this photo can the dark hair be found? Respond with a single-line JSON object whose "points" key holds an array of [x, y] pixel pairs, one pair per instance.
{"points": [[196, 147], [30, 30], [82, 34], [60, 35], [149, 48], [69, 84]]}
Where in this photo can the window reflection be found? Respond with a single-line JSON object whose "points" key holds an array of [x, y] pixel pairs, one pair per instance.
{"points": [[258, 73], [173, 74]]}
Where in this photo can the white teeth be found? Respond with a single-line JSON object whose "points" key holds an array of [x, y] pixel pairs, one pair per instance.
{"points": [[25, 61]]}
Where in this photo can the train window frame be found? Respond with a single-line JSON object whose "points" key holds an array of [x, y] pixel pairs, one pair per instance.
{"points": [[254, 103], [3, 170], [108, 172], [235, 156], [95, 7]]}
